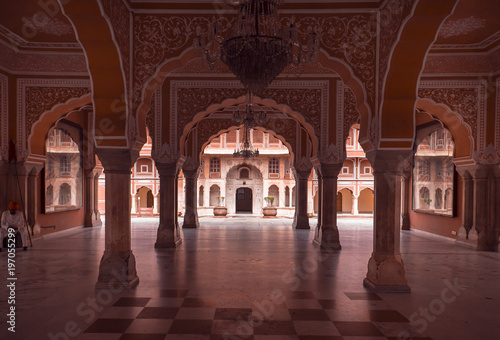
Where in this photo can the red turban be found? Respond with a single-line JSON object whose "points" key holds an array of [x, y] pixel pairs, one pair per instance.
{"points": [[13, 205]]}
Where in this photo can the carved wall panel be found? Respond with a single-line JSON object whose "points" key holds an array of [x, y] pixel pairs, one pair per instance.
{"points": [[309, 98], [347, 36], [467, 98], [37, 96]]}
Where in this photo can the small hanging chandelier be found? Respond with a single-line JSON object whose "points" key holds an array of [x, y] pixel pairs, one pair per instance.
{"points": [[257, 47], [250, 118], [246, 149]]}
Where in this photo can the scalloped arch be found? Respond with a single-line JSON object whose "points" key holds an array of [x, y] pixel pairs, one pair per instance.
{"points": [[47, 120], [464, 147]]}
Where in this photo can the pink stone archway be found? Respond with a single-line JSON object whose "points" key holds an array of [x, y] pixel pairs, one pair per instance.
{"points": [[464, 147], [47, 120]]}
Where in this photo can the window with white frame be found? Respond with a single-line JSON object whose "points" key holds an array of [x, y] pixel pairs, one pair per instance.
{"points": [[274, 168], [64, 166], [345, 170], [368, 170], [214, 167]]}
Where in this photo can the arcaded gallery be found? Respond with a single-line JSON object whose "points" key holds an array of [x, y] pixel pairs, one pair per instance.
{"points": [[250, 169]]}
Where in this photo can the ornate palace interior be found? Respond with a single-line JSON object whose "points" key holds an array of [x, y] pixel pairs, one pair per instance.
{"points": [[84, 85]]}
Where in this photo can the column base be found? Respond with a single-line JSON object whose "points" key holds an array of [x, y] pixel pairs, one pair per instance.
{"points": [[301, 223], [190, 221], [96, 221], [467, 239], [92, 223], [117, 267], [327, 238], [167, 237], [488, 241], [386, 274], [405, 224]]}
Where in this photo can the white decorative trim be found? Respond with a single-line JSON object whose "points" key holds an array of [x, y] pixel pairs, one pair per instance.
{"points": [[340, 116], [22, 84], [480, 86], [479, 46], [4, 116], [23, 43]]}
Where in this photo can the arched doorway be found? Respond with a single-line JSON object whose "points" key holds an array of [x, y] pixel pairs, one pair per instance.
{"points": [[244, 200], [346, 206], [339, 202], [145, 201], [365, 201]]}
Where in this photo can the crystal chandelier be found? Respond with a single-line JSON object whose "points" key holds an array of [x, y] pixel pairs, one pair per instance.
{"points": [[250, 118], [257, 47]]}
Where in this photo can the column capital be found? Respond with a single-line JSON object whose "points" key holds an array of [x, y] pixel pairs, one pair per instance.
{"points": [[302, 168], [333, 155], [117, 160], [165, 154], [464, 172], [395, 161], [330, 170], [190, 167], [167, 169]]}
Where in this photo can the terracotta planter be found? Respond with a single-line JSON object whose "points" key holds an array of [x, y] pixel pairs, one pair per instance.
{"points": [[220, 211], [270, 211]]}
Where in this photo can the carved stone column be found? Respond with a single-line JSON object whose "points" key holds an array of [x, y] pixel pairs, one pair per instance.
{"points": [[190, 170], [467, 234], [155, 205], [168, 231], [96, 221], [134, 204], [386, 270], [118, 261], [327, 235], [320, 200], [485, 206], [302, 171], [32, 202], [405, 200], [354, 209], [89, 196]]}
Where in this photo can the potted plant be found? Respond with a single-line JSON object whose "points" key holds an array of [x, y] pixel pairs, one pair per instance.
{"points": [[269, 210], [220, 210]]}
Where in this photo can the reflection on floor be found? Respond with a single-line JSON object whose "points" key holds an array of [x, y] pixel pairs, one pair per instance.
{"points": [[252, 278]]}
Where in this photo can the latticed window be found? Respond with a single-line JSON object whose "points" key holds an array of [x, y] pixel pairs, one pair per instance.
{"points": [[64, 166], [274, 168], [214, 167]]}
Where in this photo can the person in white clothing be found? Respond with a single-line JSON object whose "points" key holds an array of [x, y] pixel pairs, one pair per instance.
{"points": [[13, 218]]}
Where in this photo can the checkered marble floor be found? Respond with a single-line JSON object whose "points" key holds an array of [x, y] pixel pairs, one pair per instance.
{"points": [[251, 278], [176, 314]]}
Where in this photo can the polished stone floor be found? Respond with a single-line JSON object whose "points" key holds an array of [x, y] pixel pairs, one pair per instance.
{"points": [[251, 278]]}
